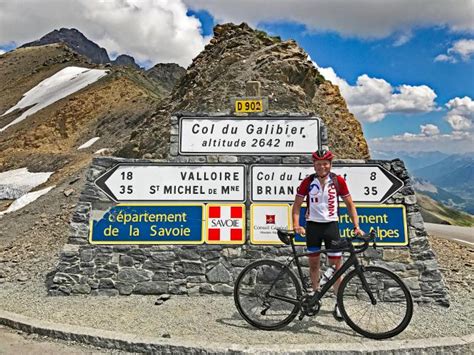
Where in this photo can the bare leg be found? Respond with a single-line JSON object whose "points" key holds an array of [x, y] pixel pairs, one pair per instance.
{"points": [[314, 266], [337, 262]]}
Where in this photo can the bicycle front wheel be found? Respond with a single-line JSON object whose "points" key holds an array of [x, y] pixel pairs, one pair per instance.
{"points": [[375, 303], [267, 294]]}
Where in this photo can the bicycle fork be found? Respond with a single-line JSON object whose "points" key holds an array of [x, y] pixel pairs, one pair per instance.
{"points": [[365, 285]]}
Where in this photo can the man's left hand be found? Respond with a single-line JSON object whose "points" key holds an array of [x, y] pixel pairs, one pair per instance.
{"points": [[358, 231]]}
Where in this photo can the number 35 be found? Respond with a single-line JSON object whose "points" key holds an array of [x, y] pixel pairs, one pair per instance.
{"points": [[370, 191]]}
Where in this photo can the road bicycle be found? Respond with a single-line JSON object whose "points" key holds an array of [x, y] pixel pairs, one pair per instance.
{"points": [[372, 300]]}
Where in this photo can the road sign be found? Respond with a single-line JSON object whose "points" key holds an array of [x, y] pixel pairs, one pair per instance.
{"points": [[247, 105], [265, 219], [225, 223], [263, 136], [388, 221], [152, 224], [165, 182], [369, 183]]}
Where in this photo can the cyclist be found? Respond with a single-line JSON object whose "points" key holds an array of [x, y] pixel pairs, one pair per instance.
{"points": [[321, 191]]}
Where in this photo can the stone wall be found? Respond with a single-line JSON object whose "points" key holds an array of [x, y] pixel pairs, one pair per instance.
{"points": [[206, 269]]}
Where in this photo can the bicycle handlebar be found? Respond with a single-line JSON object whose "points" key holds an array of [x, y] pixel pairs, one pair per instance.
{"points": [[287, 235]]}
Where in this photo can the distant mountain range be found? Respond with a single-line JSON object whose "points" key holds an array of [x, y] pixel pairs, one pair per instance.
{"points": [[443, 177]]}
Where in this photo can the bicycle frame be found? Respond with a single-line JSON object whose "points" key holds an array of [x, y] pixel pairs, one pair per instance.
{"points": [[351, 261]]}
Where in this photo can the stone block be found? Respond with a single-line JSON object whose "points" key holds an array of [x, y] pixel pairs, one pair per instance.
{"points": [[228, 159], [206, 289], [196, 279], [106, 283], [112, 267], [163, 256], [132, 275], [124, 288], [191, 267], [93, 283], [125, 260], [87, 255], [70, 250], [224, 289], [410, 199], [102, 273], [151, 288], [81, 289], [219, 274], [399, 255], [291, 160], [158, 266], [188, 254]]}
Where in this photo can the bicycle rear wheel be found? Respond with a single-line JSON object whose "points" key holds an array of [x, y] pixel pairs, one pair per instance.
{"points": [[267, 294], [393, 307]]}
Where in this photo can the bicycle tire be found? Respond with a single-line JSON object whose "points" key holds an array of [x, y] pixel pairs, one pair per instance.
{"points": [[254, 296], [391, 293]]}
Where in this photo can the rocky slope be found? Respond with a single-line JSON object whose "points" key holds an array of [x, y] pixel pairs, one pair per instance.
{"points": [[109, 108], [235, 55], [435, 212]]}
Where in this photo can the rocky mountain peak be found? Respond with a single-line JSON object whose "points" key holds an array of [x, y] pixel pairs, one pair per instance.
{"points": [[76, 41], [126, 60], [237, 54], [167, 74]]}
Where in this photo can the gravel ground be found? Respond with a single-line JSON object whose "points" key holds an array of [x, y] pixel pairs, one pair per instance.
{"points": [[214, 319]]}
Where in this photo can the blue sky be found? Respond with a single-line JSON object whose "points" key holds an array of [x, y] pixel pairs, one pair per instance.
{"points": [[405, 68]]}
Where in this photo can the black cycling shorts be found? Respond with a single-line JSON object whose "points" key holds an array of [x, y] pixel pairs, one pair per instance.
{"points": [[328, 232]]}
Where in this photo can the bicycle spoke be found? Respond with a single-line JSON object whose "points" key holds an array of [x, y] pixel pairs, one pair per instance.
{"points": [[273, 293], [392, 309]]}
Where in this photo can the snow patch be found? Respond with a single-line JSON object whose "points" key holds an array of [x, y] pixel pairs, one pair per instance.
{"points": [[103, 151], [16, 183], [65, 82], [89, 143], [25, 200]]}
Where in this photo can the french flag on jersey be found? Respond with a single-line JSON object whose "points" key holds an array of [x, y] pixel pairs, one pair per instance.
{"points": [[225, 224]]}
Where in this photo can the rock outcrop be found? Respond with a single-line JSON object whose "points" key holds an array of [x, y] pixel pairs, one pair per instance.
{"points": [[235, 55]]}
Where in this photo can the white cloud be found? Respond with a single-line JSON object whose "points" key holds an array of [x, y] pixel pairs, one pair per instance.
{"points": [[371, 99], [361, 18], [462, 49], [445, 58], [403, 38], [457, 141], [429, 129], [156, 30], [461, 113], [1, 51]]}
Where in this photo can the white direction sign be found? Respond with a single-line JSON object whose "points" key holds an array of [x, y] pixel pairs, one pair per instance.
{"points": [[368, 183], [160, 182], [236, 136]]}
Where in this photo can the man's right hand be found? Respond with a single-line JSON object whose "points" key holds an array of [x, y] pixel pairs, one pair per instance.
{"points": [[300, 230]]}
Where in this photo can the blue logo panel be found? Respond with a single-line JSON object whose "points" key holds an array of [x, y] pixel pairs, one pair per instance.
{"points": [[152, 224], [389, 221]]}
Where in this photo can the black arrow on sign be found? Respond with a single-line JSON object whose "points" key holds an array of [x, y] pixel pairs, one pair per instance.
{"points": [[100, 183], [397, 184]]}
